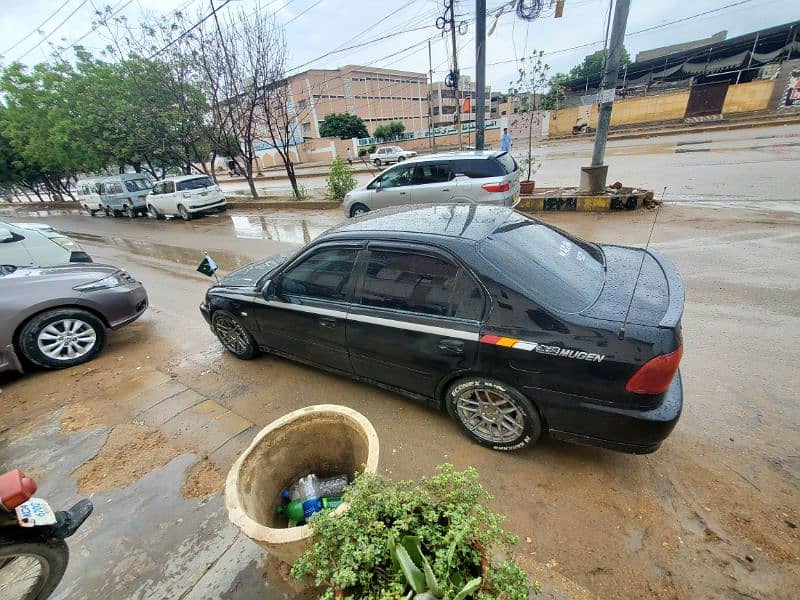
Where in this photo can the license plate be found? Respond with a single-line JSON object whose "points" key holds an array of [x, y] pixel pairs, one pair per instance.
{"points": [[35, 513]]}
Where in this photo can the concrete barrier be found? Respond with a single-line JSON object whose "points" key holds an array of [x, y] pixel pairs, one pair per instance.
{"points": [[569, 200]]}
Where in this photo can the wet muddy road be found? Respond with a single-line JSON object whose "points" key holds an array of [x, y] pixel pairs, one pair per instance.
{"points": [[152, 425]]}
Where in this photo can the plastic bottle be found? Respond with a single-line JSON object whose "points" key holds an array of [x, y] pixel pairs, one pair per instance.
{"points": [[292, 511], [333, 487], [310, 496], [331, 502]]}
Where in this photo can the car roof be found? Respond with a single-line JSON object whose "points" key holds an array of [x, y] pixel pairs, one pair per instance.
{"points": [[468, 221], [455, 155], [177, 178]]}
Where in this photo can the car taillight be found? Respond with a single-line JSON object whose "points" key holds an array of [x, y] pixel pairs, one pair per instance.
{"points": [[497, 187], [655, 376]]}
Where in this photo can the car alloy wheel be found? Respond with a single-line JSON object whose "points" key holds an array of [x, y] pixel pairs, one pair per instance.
{"points": [[185, 214], [66, 339], [153, 212], [233, 335], [130, 212], [401, 158], [493, 414], [62, 337], [377, 162]]}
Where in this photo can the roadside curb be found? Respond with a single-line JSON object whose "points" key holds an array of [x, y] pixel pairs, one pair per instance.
{"points": [[570, 200], [285, 204]]}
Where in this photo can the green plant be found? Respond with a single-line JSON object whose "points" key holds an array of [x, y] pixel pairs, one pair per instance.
{"points": [[441, 520], [531, 81], [362, 152], [302, 192], [340, 178]]}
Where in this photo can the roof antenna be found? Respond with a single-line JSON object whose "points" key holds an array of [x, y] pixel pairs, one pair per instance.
{"points": [[621, 333]]}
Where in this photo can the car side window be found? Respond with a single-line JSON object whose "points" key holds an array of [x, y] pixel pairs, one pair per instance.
{"points": [[322, 275], [157, 188], [410, 281], [478, 168], [436, 173], [169, 187], [397, 177]]}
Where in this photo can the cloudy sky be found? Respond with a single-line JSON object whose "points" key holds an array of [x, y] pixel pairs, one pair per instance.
{"points": [[315, 28]]}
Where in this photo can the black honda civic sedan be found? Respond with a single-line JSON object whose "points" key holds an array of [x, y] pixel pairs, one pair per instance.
{"points": [[513, 326]]}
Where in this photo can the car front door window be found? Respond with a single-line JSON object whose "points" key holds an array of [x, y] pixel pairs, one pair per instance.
{"points": [[397, 177], [324, 275]]}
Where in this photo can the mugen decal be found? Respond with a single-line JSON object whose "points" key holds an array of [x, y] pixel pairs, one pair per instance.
{"points": [[496, 340]]}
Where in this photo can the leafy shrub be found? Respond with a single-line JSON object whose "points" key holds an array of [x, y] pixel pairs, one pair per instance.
{"points": [[352, 552], [363, 152], [389, 130], [340, 178]]}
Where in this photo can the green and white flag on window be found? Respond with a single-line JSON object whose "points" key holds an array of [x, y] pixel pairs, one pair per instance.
{"points": [[208, 266]]}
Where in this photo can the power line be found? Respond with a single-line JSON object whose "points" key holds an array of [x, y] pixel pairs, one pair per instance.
{"points": [[45, 38], [192, 28], [35, 29], [297, 16]]}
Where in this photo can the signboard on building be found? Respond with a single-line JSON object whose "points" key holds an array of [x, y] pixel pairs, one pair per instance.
{"points": [[435, 132], [793, 89]]}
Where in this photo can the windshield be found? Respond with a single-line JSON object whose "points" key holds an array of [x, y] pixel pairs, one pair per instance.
{"points": [[137, 185], [562, 272], [195, 184]]}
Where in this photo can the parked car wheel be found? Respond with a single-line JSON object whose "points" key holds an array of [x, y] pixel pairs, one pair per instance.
{"points": [[493, 413], [185, 214], [377, 162], [153, 212], [88, 210], [358, 209], [233, 335], [130, 212], [107, 211], [62, 337], [401, 158]]}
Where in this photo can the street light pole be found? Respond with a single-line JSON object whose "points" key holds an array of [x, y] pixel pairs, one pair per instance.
{"points": [[480, 72], [593, 178]]}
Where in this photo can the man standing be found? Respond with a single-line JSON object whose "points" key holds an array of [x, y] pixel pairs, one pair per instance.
{"points": [[349, 156], [505, 140]]}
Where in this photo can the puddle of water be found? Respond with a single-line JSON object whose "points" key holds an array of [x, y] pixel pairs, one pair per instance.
{"points": [[297, 231], [184, 256]]}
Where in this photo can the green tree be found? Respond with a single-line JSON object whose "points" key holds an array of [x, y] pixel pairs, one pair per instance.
{"points": [[592, 64], [389, 130], [344, 126]]}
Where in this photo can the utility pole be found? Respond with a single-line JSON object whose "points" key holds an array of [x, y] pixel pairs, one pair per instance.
{"points": [[456, 75], [480, 72], [593, 178], [430, 93]]}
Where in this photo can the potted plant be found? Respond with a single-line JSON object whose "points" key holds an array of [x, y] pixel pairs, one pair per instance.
{"points": [[525, 92], [430, 539]]}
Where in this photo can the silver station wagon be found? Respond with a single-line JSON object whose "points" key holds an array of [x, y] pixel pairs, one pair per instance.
{"points": [[476, 177]]}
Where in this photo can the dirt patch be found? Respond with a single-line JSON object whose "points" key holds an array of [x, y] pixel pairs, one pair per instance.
{"points": [[204, 478], [130, 452], [79, 416]]}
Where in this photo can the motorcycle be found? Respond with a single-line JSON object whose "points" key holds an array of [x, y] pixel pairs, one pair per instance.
{"points": [[33, 553]]}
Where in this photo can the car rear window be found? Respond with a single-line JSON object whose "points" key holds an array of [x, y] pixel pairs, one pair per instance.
{"points": [[507, 162], [195, 184], [561, 272], [477, 168], [137, 185]]}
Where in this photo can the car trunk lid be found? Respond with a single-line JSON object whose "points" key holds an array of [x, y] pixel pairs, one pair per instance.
{"points": [[659, 294]]}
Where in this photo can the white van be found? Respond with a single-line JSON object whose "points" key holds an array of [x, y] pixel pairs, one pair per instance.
{"points": [[21, 247], [125, 193], [89, 195]]}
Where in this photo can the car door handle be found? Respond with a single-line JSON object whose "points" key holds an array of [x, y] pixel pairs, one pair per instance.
{"points": [[327, 322], [451, 346], [402, 193], [446, 190]]}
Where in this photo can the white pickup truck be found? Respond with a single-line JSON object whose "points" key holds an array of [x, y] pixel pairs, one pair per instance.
{"points": [[390, 154]]}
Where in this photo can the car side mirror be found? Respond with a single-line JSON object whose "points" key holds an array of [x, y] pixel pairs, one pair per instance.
{"points": [[269, 289]]}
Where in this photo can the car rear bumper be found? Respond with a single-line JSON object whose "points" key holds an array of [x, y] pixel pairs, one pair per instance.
{"points": [[205, 205], [583, 421]]}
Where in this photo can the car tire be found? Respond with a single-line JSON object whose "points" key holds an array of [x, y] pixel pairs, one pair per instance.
{"points": [[493, 414], [39, 337], [115, 212], [184, 214], [358, 209], [130, 212], [107, 211], [401, 158], [233, 335], [377, 162], [153, 212]]}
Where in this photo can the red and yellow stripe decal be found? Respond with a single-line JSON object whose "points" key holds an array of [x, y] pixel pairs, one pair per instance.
{"points": [[497, 340]]}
